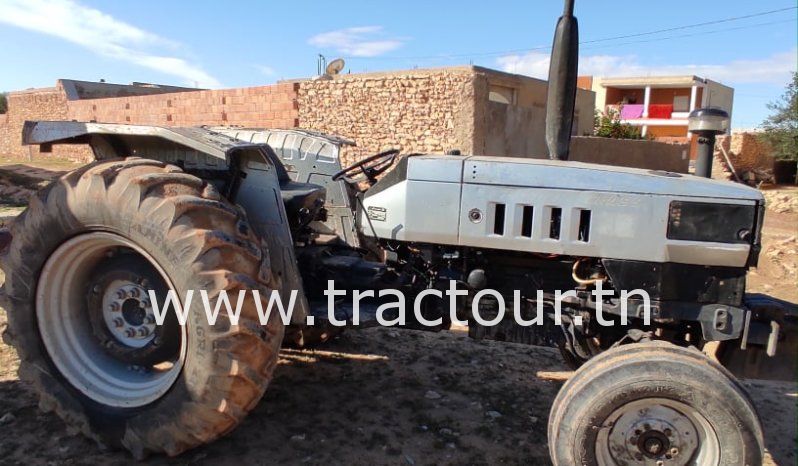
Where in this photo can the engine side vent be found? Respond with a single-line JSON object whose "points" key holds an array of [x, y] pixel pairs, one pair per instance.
{"points": [[526, 221], [555, 222], [584, 225], [498, 219]]}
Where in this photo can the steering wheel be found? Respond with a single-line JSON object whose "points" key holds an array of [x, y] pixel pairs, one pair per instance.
{"points": [[370, 167]]}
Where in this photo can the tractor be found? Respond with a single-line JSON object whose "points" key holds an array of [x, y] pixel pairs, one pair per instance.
{"points": [[225, 210]]}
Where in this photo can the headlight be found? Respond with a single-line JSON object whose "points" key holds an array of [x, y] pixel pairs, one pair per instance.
{"points": [[718, 223]]}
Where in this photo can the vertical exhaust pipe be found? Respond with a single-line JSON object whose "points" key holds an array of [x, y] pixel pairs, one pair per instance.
{"points": [[561, 96]]}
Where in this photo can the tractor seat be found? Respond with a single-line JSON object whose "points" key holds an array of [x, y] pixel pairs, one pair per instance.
{"points": [[302, 202]]}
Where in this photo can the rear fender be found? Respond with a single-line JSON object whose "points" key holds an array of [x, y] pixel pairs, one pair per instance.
{"points": [[258, 192]]}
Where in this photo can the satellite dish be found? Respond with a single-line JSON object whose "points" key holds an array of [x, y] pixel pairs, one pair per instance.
{"points": [[335, 67]]}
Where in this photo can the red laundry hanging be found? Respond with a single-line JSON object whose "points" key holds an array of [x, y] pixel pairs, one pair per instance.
{"points": [[660, 110]]}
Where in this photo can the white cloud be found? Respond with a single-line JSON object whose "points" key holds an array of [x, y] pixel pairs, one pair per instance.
{"points": [[102, 34], [775, 69], [363, 41], [265, 70]]}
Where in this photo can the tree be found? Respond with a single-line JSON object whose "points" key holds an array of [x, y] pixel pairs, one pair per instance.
{"points": [[781, 127], [3, 103], [608, 125]]}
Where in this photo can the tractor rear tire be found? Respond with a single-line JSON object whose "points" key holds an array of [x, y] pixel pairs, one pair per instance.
{"points": [[177, 231], [653, 402]]}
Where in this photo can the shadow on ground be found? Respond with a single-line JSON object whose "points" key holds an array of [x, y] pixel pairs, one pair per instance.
{"points": [[378, 397]]}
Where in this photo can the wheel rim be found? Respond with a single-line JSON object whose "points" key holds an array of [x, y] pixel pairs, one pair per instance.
{"points": [[62, 316], [657, 432]]}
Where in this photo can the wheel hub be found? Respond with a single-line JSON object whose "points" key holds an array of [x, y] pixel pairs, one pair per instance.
{"points": [[127, 313], [653, 443], [655, 435]]}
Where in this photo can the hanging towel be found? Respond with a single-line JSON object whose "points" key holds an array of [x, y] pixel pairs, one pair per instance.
{"points": [[631, 111], [660, 111]]}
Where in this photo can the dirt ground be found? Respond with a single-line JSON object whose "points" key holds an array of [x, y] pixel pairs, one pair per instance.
{"points": [[382, 396], [777, 273]]}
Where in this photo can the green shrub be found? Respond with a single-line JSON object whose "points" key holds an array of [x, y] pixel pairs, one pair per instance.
{"points": [[608, 125]]}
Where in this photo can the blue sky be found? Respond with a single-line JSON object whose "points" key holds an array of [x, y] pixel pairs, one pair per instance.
{"points": [[243, 43]]}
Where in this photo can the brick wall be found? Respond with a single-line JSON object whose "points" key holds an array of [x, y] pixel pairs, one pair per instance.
{"points": [[414, 111], [264, 106]]}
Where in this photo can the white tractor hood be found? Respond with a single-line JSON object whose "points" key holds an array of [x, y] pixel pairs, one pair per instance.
{"points": [[544, 206], [557, 174]]}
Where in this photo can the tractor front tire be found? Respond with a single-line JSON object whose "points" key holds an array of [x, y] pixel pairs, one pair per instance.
{"points": [[83, 258], [653, 403]]}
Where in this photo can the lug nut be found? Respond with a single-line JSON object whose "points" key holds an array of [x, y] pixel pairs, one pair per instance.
{"points": [[118, 322], [150, 319], [114, 307], [143, 331], [121, 294], [130, 332], [134, 293], [674, 451]]}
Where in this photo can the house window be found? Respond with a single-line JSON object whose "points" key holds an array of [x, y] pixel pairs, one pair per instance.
{"points": [[501, 94], [681, 103]]}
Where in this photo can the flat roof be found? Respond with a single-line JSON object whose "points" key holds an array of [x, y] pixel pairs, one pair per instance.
{"points": [[654, 81], [419, 72]]}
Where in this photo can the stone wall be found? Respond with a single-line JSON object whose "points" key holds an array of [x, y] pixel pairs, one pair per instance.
{"points": [[36, 104], [414, 111], [746, 152], [473, 109]]}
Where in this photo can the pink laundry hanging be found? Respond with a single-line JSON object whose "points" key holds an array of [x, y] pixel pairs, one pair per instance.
{"points": [[631, 111]]}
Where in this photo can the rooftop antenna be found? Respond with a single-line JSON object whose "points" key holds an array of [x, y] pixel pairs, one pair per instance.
{"points": [[561, 97]]}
